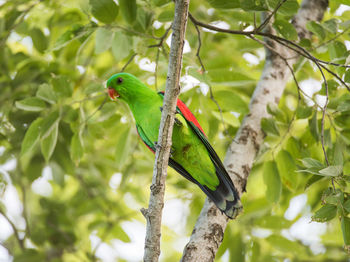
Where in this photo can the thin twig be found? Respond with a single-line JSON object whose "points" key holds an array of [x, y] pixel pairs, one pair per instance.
{"points": [[129, 61], [266, 21], [15, 231], [211, 95], [304, 52]]}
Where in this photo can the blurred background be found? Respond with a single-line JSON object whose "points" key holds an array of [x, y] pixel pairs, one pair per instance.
{"points": [[73, 172]]}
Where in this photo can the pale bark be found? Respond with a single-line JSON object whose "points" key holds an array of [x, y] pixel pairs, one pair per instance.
{"points": [[210, 227], [153, 214]]}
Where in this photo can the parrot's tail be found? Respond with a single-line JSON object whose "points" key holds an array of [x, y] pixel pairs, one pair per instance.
{"points": [[225, 196]]}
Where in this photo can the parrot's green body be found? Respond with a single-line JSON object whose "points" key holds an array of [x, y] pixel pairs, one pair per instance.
{"points": [[190, 154]]}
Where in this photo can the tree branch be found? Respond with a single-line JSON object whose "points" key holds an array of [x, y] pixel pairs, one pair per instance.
{"points": [[210, 226], [153, 214]]}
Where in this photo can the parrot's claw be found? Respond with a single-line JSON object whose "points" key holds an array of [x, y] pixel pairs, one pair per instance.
{"points": [[177, 122], [161, 109]]}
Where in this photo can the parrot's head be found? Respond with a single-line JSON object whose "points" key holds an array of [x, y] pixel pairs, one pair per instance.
{"points": [[124, 86]]}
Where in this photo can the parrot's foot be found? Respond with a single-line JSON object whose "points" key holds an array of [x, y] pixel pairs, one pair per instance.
{"points": [[177, 122]]}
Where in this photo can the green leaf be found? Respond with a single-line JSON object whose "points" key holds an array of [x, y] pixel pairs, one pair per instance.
{"points": [[166, 16], [346, 205], [286, 29], [118, 232], [76, 148], [269, 126], [253, 5], [121, 45], [347, 76], [160, 2], [62, 86], [31, 137], [103, 40], [331, 171], [224, 4], [228, 118], [230, 101], [40, 41], [313, 124], [76, 32], [312, 163], [316, 28], [303, 112], [128, 9], [338, 153], [337, 51], [273, 109], [325, 213], [48, 144], [344, 106], [345, 228], [105, 11], [46, 93], [288, 8], [286, 167], [49, 123], [272, 181], [32, 104], [283, 244], [273, 222], [331, 26]]}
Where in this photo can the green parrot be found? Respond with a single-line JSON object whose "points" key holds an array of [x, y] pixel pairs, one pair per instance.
{"points": [[192, 156]]}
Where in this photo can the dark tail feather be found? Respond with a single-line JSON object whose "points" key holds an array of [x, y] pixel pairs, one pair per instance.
{"points": [[225, 197]]}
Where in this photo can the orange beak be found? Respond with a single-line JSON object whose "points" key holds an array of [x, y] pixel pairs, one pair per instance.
{"points": [[113, 94]]}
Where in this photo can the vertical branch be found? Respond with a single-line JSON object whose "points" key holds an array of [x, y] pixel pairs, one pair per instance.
{"points": [[210, 227], [153, 214]]}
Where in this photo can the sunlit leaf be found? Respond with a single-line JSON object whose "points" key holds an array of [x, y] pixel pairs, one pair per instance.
{"points": [[121, 45], [48, 143], [269, 126], [325, 213], [286, 29], [76, 148], [345, 228], [331, 171], [128, 9], [272, 181], [105, 11], [316, 28], [46, 93], [31, 137], [31, 104], [103, 40]]}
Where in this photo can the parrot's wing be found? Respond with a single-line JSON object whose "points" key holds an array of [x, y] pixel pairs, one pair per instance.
{"points": [[172, 162], [226, 189], [145, 139]]}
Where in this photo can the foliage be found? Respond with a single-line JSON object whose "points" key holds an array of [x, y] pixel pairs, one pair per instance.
{"points": [[54, 115]]}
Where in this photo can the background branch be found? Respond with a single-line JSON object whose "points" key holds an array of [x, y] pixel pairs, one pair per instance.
{"points": [[210, 226]]}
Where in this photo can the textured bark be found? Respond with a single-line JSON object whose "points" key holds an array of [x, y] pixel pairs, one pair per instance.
{"points": [[153, 214], [210, 227]]}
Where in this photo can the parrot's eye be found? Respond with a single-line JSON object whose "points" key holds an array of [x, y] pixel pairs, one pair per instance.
{"points": [[119, 80]]}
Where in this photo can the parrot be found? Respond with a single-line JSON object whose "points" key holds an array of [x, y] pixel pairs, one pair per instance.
{"points": [[192, 156]]}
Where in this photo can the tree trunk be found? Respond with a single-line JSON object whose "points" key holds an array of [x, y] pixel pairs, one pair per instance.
{"points": [[209, 230]]}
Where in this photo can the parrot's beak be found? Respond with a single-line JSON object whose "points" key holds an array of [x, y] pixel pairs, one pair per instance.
{"points": [[113, 94]]}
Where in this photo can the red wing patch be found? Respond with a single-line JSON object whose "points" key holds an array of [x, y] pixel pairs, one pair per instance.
{"points": [[188, 114], [144, 141]]}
